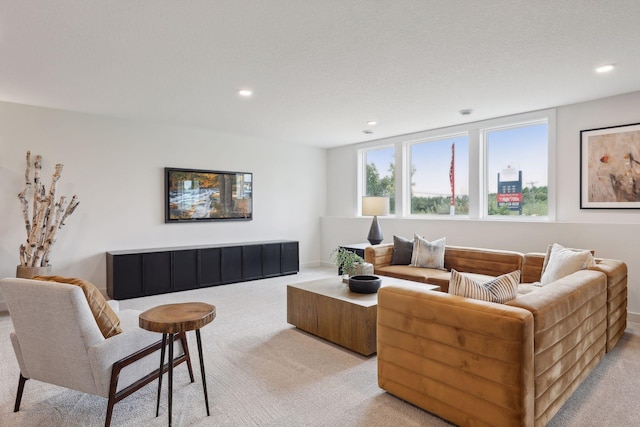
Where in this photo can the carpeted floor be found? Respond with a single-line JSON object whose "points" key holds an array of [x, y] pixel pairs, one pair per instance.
{"points": [[262, 371]]}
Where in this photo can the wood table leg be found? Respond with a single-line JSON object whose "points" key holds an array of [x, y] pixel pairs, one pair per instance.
{"points": [[170, 398], [204, 380], [164, 346]]}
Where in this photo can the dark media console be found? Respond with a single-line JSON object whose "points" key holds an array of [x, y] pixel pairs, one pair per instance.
{"points": [[137, 273]]}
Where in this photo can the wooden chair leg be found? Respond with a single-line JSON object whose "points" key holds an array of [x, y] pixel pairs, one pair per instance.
{"points": [[112, 401], [21, 382]]}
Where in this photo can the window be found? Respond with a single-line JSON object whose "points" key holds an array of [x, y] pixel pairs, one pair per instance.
{"points": [[380, 176], [516, 170], [501, 168], [439, 176]]}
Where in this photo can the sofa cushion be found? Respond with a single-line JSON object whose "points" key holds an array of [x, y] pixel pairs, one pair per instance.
{"points": [[428, 254], [560, 262], [402, 251], [527, 288], [406, 272], [107, 320], [501, 289]]}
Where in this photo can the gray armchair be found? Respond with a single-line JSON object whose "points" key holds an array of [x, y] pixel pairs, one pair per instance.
{"points": [[57, 340]]}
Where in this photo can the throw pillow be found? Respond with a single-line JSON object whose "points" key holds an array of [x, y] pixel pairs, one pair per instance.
{"points": [[561, 261], [501, 289], [106, 318], [402, 251], [428, 254]]}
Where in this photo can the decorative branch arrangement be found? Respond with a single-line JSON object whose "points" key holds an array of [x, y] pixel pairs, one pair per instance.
{"points": [[44, 216]]}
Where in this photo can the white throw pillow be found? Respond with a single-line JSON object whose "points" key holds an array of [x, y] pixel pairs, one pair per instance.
{"points": [[501, 289], [428, 254], [561, 261]]}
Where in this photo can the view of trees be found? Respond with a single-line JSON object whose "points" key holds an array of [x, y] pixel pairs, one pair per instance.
{"points": [[534, 199], [385, 186]]}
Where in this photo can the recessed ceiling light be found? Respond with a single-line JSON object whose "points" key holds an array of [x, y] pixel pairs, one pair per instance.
{"points": [[466, 112], [604, 68], [372, 123], [245, 92]]}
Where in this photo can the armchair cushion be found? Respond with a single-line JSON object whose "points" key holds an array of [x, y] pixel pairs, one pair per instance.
{"points": [[105, 316]]}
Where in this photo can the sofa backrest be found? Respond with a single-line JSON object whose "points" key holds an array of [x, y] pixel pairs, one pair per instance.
{"points": [[532, 263], [482, 261]]}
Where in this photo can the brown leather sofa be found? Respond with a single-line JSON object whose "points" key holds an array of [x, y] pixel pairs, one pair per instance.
{"points": [[486, 364]]}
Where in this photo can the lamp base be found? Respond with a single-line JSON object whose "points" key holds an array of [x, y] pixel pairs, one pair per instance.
{"points": [[375, 233]]}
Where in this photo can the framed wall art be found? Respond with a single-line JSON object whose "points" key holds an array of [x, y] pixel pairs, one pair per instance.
{"points": [[610, 167]]}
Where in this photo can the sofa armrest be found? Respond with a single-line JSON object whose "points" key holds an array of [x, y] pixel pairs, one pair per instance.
{"points": [[379, 255], [616, 272], [468, 361], [570, 336]]}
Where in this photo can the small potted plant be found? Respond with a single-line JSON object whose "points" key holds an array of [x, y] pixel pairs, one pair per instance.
{"points": [[349, 263]]}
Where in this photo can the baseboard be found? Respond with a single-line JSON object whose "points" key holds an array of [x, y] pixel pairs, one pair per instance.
{"points": [[633, 317]]}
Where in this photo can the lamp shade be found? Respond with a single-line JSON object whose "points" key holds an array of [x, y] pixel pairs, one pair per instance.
{"points": [[374, 206]]}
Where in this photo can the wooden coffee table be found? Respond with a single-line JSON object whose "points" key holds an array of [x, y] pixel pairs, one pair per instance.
{"points": [[328, 309], [170, 319]]}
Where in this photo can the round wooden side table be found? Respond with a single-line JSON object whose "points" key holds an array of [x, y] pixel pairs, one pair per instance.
{"points": [[170, 319]]}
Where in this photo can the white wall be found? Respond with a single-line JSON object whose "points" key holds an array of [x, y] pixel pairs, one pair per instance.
{"points": [[611, 233], [116, 169]]}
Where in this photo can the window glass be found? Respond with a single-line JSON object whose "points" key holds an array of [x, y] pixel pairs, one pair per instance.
{"points": [[516, 170], [439, 176], [380, 174]]}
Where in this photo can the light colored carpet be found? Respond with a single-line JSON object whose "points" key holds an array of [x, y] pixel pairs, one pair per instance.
{"points": [[261, 371]]}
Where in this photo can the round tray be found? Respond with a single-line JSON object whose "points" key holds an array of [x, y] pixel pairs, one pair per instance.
{"points": [[364, 284]]}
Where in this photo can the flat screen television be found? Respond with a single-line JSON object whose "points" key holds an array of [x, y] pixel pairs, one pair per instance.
{"points": [[193, 195]]}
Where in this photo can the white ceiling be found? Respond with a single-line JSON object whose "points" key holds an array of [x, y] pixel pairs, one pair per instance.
{"points": [[320, 69]]}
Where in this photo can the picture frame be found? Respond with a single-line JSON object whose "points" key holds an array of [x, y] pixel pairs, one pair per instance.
{"points": [[610, 167]]}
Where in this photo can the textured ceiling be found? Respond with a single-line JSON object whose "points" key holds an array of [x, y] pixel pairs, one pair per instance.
{"points": [[320, 69]]}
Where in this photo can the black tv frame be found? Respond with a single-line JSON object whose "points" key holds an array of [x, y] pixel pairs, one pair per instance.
{"points": [[209, 201]]}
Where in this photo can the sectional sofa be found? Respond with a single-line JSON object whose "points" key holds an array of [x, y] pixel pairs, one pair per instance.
{"points": [[483, 363]]}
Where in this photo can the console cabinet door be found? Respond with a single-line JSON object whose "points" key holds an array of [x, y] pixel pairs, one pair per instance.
{"points": [[156, 267], [290, 260], [231, 264], [271, 264], [124, 277], [252, 262], [210, 272], [185, 270]]}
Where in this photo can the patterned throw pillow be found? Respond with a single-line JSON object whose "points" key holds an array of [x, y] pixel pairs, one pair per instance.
{"points": [[402, 251], [560, 261], [428, 254], [501, 289], [107, 320]]}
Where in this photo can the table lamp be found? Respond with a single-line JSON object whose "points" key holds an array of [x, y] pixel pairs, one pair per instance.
{"points": [[374, 206]]}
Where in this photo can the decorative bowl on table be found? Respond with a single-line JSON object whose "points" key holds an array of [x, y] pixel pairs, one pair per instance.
{"points": [[364, 284]]}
